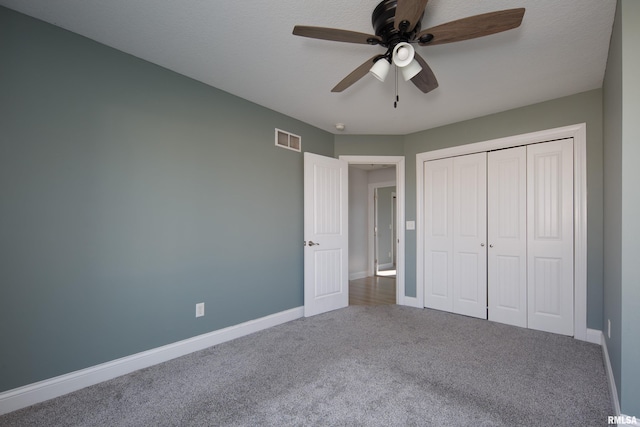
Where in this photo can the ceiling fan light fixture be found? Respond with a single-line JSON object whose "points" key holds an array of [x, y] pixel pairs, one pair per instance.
{"points": [[411, 70], [403, 54], [380, 69], [397, 25]]}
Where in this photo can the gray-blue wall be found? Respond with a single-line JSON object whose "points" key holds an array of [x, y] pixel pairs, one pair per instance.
{"points": [[622, 204], [612, 96], [129, 194], [369, 145], [630, 390]]}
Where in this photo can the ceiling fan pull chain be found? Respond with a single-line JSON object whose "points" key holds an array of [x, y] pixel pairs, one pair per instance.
{"points": [[395, 103]]}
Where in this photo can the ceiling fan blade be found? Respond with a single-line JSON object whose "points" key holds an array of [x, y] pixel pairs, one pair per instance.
{"points": [[355, 75], [473, 27], [410, 11], [425, 80], [335, 35]]}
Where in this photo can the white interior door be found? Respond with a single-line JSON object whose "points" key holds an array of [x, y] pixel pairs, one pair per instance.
{"points": [[438, 234], [470, 235], [326, 255], [507, 236], [550, 236]]}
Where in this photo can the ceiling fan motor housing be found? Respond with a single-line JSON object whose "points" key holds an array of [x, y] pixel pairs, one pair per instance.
{"points": [[383, 18]]}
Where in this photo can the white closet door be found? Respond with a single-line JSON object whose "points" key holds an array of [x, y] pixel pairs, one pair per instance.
{"points": [[438, 226], [507, 236], [550, 236], [470, 235]]}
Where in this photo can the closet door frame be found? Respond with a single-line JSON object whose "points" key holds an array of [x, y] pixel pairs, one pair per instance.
{"points": [[578, 133]]}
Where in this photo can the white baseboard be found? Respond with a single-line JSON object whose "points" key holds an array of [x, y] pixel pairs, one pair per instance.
{"points": [[613, 391], [594, 336], [358, 275], [48, 389]]}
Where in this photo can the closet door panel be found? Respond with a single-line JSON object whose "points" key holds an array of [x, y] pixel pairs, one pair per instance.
{"points": [[507, 236], [550, 236], [438, 209], [469, 235]]}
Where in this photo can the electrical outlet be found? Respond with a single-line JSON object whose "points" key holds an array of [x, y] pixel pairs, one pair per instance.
{"points": [[200, 309], [609, 328]]}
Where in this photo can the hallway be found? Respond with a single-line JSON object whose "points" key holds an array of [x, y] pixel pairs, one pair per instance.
{"points": [[376, 290]]}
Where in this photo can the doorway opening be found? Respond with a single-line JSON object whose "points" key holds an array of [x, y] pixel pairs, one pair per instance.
{"points": [[376, 232]]}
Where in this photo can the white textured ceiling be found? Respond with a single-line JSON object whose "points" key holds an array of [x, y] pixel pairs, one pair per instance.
{"points": [[245, 47]]}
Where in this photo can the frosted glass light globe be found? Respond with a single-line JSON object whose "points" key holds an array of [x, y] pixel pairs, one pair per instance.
{"points": [[403, 53]]}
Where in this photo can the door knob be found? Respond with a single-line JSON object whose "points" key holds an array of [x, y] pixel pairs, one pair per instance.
{"points": [[482, 244], [311, 243], [490, 246]]}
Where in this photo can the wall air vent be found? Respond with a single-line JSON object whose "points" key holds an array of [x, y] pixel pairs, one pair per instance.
{"points": [[288, 140]]}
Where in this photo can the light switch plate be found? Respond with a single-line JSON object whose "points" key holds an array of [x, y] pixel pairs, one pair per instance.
{"points": [[411, 225], [200, 309]]}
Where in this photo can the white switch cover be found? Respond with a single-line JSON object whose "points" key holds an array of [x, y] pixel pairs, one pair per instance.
{"points": [[411, 225], [200, 309]]}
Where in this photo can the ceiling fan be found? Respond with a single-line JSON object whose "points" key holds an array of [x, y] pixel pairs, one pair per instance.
{"points": [[397, 25]]}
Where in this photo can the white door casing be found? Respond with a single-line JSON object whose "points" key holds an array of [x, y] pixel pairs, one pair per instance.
{"points": [[326, 257], [550, 236], [507, 235], [376, 249], [394, 229], [438, 234], [470, 235]]}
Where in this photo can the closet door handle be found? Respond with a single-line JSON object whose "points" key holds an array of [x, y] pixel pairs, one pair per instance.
{"points": [[490, 246], [482, 244]]}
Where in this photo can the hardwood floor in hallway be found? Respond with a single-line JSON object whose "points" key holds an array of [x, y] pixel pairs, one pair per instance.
{"points": [[372, 291]]}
